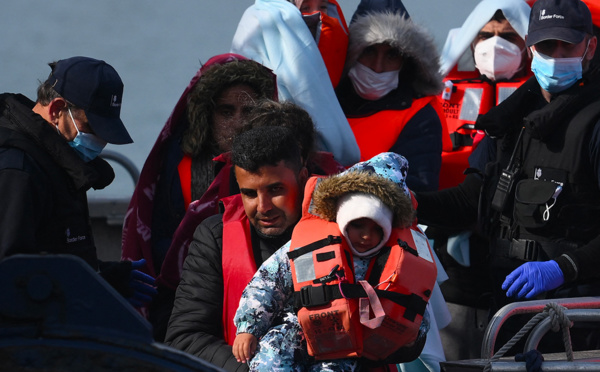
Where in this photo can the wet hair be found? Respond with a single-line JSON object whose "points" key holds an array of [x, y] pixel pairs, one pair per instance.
{"points": [[285, 114], [202, 99], [266, 146]]}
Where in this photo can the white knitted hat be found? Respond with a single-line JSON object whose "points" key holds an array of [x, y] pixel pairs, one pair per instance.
{"points": [[360, 205]]}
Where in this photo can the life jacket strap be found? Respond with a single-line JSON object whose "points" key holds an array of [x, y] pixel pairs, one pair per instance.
{"points": [[460, 140], [312, 296], [329, 240]]}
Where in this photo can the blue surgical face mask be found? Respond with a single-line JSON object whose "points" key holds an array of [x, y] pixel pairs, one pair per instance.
{"points": [[556, 74], [88, 146]]}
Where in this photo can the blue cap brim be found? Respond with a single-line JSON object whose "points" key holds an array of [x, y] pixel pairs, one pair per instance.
{"points": [[555, 33], [112, 130]]}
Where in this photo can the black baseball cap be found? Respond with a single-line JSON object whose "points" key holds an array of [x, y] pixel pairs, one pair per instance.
{"points": [[565, 20], [95, 87]]}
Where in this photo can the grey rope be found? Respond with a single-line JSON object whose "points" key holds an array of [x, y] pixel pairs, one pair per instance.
{"points": [[558, 320]]}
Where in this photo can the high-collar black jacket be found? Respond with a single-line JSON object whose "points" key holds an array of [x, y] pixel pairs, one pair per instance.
{"points": [[43, 183]]}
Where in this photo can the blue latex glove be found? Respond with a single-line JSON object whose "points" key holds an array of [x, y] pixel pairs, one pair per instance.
{"points": [[143, 285], [533, 278]]}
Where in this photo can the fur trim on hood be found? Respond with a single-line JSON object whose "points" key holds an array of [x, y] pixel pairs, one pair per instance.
{"points": [[329, 190], [201, 104], [412, 40]]}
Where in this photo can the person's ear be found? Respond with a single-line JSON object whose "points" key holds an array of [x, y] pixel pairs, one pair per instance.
{"points": [[529, 54], [303, 176], [56, 108], [591, 48]]}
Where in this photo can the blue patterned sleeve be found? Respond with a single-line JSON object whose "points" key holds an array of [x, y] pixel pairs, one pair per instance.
{"points": [[267, 296]]}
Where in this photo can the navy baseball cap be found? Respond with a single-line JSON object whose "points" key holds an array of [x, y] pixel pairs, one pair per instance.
{"points": [[95, 87], [565, 20]]}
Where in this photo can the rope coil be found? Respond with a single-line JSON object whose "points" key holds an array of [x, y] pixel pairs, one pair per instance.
{"points": [[558, 319]]}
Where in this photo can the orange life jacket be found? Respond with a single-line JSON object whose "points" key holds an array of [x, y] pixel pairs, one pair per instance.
{"points": [[333, 309], [377, 133], [464, 98], [594, 6], [218, 188], [238, 261], [332, 40], [184, 168]]}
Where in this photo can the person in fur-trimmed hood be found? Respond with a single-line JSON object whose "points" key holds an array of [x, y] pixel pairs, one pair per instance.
{"points": [[353, 197], [366, 201], [388, 93]]}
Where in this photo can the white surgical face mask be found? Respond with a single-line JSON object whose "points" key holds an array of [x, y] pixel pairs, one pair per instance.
{"points": [[497, 58], [370, 84], [556, 74], [87, 145]]}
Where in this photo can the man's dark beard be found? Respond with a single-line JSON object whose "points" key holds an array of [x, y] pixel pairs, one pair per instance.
{"points": [[263, 246], [280, 239]]}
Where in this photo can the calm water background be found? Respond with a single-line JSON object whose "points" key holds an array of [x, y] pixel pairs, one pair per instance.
{"points": [[156, 46]]}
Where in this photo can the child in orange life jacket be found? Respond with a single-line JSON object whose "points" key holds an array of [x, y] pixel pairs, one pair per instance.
{"points": [[266, 309]]}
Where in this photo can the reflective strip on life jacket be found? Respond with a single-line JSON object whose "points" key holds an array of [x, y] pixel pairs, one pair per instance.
{"points": [[327, 296], [471, 104], [238, 261], [462, 105], [503, 90], [467, 100]]}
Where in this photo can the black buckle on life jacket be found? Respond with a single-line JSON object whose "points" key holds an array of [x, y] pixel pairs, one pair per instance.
{"points": [[524, 249], [314, 296], [329, 240], [460, 140], [404, 245]]}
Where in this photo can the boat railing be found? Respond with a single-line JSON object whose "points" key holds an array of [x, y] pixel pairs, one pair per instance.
{"points": [[571, 310], [545, 325], [529, 307], [124, 161], [108, 213]]}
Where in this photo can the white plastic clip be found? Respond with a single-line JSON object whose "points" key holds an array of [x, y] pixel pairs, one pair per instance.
{"points": [[546, 214]]}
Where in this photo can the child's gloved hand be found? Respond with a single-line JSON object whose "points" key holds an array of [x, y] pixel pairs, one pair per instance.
{"points": [[244, 347]]}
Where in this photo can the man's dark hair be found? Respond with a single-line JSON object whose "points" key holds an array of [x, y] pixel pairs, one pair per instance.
{"points": [[285, 114], [266, 146], [498, 16], [45, 92]]}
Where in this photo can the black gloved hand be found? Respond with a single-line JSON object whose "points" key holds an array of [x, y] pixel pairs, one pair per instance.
{"points": [[136, 286], [142, 285]]}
